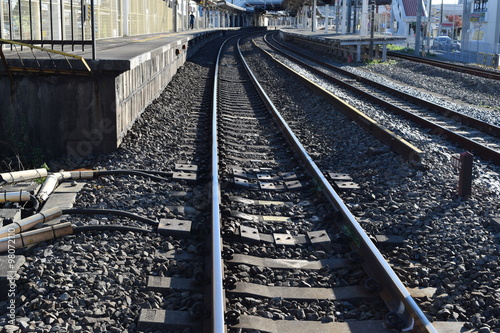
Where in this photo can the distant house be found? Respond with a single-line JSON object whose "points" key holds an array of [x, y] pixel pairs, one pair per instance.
{"points": [[405, 13]]}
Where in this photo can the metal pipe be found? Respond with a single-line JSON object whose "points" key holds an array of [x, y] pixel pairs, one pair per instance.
{"points": [[92, 25], [48, 187], [29, 222], [51, 25], [17, 176], [35, 236], [17, 196], [52, 232], [41, 21], [72, 27], [20, 23], [31, 20], [82, 22], [61, 23], [53, 180]]}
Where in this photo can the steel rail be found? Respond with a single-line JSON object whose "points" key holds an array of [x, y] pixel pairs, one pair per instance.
{"points": [[218, 295], [395, 142], [478, 148], [453, 67], [394, 293], [457, 116]]}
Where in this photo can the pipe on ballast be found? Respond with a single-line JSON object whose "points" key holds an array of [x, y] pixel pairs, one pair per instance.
{"points": [[52, 213], [29, 222], [50, 184], [35, 236], [14, 196], [17, 176], [54, 179], [52, 232], [19, 196]]}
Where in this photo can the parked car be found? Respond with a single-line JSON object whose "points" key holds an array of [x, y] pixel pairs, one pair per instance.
{"points": [[440, 42], [454, 45], [446, 43]]}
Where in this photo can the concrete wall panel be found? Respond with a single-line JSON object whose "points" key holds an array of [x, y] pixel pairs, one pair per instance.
{"points": [[78, 116]]}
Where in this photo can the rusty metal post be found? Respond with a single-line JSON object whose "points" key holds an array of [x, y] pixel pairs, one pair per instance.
{"points": [[463, 163]]}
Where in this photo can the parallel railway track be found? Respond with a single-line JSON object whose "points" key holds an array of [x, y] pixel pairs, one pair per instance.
{"points": [[446, 65], [473, 134]]}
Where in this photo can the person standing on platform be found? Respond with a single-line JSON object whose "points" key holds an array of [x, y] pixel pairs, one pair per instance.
{"points": [[191, 21]]}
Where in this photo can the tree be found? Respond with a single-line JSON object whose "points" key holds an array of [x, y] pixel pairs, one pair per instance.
{"points": [[457, 23]]}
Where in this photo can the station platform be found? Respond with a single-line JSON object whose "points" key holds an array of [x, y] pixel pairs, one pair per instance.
{"points": [[77, 107], [110, 53], [348, 46]]}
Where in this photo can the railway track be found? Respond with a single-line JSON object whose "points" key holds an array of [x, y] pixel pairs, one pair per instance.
{"points": [[167, 279], [258, 173], [446, 65], [473, 134]]}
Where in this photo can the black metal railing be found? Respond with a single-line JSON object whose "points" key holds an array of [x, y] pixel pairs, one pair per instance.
{"points": [[54, 23]]}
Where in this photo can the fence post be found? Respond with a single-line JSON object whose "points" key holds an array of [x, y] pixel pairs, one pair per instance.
{"points": [[463, 162]]}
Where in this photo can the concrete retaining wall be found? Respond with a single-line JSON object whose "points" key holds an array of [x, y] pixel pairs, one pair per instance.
{"points": [[82, 115]]}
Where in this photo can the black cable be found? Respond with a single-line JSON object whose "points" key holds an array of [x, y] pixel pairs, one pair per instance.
{"points": [[154, 172], [109, 227], [142, 173], [90, 211], [35, 202]]}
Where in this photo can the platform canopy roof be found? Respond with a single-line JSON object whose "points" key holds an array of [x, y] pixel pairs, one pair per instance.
{"points": [[230, 6], [293, 5]]}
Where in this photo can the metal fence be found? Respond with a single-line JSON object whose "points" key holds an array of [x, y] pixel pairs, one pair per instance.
{"points": [[477, 52], [66, 23]]}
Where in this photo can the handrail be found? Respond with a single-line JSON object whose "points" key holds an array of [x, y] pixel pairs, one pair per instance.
{"points": [[51, 23], [49, 51]]}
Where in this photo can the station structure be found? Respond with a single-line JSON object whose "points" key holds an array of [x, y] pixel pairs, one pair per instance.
{"points": [[114, 57]]}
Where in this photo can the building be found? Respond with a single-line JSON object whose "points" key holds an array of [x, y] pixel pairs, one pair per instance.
{"points": [[71, 20]]}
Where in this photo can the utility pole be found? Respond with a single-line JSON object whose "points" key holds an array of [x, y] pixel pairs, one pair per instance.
{"points": [[363, 31], [418, 27], [314, 17], [466, 23], [327, 9], [429, 26], [372, 28], [440, 19]]}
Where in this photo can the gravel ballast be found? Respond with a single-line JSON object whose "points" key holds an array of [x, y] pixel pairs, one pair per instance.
{"points": [[452, 243], [92, 282]]}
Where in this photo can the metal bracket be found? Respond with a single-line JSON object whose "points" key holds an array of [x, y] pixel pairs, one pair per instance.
{"points": [[163, 283], [284, 239], [174, 227], [188, 177], [249, 234], [318, 237], [162, 319]]}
